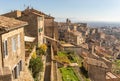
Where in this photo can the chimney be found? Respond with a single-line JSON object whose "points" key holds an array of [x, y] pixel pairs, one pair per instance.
{"points": [[18, 13]]}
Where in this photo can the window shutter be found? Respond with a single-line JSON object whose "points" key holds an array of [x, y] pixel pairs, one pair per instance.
{"points": [[18, 41], [5, 52], [18, 69], [13, 44]]}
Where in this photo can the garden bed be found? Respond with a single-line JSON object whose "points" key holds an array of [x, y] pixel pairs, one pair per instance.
{"points": [[68, 74]]}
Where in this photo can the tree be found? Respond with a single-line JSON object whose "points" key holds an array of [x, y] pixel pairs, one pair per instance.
{"points": [[36, 66]]}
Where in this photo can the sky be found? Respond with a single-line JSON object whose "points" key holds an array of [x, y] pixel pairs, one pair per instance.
{"points": [[76, 10]]}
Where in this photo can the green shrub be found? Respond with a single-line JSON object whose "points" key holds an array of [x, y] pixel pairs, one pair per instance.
{"points": [[36, 66], [42, 49]]}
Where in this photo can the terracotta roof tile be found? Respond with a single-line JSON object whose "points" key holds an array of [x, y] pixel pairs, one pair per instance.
{"points": [[39, 12], [10, 23]]}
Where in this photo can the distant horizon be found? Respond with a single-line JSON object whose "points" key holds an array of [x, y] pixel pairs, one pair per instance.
{"points": [[79, 10], [77, 21], [90, 23], [61, 19]]}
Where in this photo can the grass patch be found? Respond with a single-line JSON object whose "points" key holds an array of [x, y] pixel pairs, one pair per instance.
{"points": [[62, 54], [116, 67], [68, 74]]}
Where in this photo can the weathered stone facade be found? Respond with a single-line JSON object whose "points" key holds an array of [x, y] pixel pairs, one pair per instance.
{"points": [[96, 69], [12, 49], [75, 38], [97, 73], [72, 31], [35, 27], [19, 53]]}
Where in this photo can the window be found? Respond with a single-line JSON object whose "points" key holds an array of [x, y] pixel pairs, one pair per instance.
{"points": [[14, 44], [20, 65], [40, 29], [16, 70], [19, 41], [5, 48]]}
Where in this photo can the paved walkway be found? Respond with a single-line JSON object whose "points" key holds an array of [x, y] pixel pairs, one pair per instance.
{"points": [[48, 66], [55, 71]]}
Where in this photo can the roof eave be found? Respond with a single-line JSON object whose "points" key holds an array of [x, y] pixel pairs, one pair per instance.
{"points": [[16, 27]]}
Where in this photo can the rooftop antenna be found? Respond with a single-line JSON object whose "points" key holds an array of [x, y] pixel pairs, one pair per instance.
{"points": [[49, 14]]}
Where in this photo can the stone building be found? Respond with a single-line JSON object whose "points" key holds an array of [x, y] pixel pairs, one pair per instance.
{"points": [[74, 37], [12, 50], [40, 25], [35, 19], [64, 26], [50, 26], [96, 69]]}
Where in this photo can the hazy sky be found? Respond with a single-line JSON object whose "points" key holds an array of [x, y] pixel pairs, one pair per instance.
{"points": [[77, 10]]}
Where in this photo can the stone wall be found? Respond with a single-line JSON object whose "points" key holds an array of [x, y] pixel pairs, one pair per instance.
{"points": [[0, 56], [14, 57], [71, 38], [96, 73], [6, 78], [49, 31], [49, 22], [51, 28], [56, 30]]}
